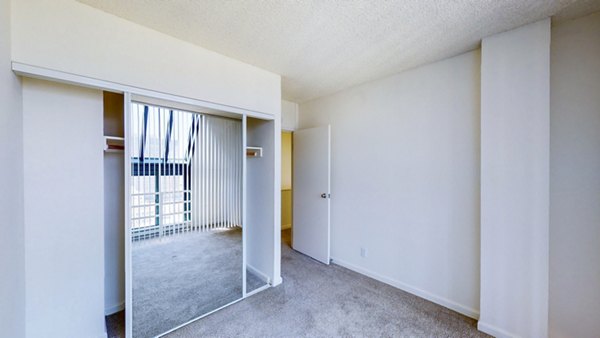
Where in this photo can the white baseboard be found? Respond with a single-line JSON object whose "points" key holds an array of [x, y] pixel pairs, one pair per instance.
{"points": [[277, 281], [462, 309], [264, 277], [286, 226], [114, 309], [494, 331], [255, 291]]}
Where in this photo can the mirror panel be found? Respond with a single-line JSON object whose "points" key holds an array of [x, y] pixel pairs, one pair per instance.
{"points": [[185, 216]]}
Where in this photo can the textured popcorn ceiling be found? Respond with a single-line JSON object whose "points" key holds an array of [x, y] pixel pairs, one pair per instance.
{"points": [[322, 46]]}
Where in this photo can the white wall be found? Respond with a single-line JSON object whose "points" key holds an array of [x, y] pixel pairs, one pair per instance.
{"points": [[575, 178], [289, 115], [68, 36], [72, 37], [12, 270], [262, 206], [405, 179], [114, 209], [64, 226], [515, 113]]}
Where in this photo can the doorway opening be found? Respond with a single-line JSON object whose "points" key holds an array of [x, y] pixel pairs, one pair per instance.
{"points": [[286, 187]]}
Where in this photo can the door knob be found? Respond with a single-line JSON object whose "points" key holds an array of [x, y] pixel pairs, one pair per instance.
{"points": [[323, 195]]}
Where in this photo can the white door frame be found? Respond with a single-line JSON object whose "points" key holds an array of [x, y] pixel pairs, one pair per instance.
{"points": [[128, 99]]}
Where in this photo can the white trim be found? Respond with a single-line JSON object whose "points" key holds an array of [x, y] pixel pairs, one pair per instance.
{"points": [[70, 78], [276, 277], [494, 331], [169, 104], [258, 151], [328, 200], [197, 318], [462, 309], [127, 164], [263, 276], [114, 309], [244, 224], [253, 292], [278, 280]]}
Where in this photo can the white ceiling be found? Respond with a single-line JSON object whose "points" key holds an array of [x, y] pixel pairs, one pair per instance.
{"points": [[322, 46]]}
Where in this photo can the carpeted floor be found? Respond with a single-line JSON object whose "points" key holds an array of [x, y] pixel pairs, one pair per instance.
{"points": [[211, 264], [316, 300], [180, 277], [115, 325]]}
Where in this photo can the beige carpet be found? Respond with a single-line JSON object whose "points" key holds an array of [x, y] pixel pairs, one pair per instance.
{"points": [[316, 300], [178, 278]]}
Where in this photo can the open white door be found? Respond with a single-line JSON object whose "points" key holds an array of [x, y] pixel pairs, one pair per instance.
{"points": [[311, 175]]}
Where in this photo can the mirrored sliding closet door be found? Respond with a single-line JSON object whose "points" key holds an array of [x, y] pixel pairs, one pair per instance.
{"points": [[185, 216]]}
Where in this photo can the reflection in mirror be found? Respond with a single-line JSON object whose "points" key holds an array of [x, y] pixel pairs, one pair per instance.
{"points": [[186, 216], [254, 280]]}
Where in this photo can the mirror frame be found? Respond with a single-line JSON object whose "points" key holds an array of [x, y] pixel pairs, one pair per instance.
{"points": [[224, 111]]}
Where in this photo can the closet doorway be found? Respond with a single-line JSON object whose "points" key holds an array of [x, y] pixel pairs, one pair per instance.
{"points": [[185, 211], [199, 211], [191, 225]]}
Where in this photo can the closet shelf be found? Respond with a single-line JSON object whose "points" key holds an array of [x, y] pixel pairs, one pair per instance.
{"points": [[254, 151], [114, 144]]}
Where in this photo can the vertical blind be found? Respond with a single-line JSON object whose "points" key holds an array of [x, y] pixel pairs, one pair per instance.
{"points": [[186, 172]]}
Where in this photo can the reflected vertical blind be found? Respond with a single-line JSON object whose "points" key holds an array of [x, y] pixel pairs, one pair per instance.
{"points": [[186, 172]]}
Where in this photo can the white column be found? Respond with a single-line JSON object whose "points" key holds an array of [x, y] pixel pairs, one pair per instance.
{"points": [[64, 210], [515, 75], [575, 179]]}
